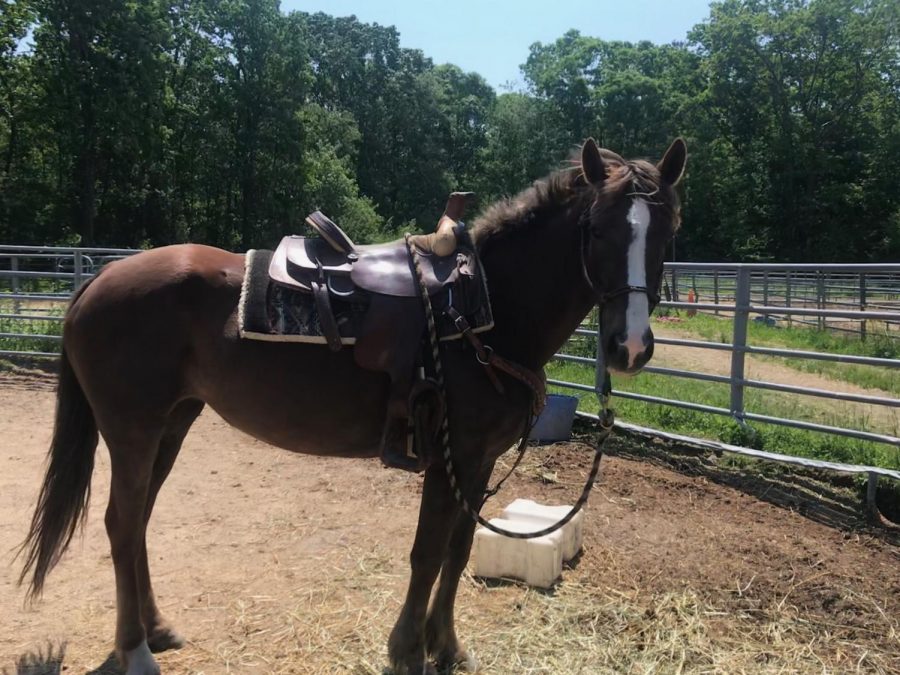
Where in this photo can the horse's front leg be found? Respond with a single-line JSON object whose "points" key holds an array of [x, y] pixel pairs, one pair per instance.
{"points": [[440, 634], [437, 514]]}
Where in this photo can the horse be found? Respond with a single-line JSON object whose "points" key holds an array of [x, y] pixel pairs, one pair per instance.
{"points": [[153, 338]]}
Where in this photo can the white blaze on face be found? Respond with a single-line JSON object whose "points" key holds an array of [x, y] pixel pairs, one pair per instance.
{"points": [[637, 316]]}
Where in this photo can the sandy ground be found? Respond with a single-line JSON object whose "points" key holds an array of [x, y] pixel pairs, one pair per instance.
{"points": [[272, 562]]}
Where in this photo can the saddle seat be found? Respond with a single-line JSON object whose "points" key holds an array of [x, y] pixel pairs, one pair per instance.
{"points": [[382, 278], [380, 268]]}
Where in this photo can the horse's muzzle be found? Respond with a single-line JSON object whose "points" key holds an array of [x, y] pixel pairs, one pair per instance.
{"points": [[628, 354]]}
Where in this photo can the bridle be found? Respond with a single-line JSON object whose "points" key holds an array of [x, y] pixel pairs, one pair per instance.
{"points": [[601, 297]]}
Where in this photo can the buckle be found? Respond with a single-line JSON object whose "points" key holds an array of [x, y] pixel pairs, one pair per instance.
{"points": [[461, 324], [489, 351]]}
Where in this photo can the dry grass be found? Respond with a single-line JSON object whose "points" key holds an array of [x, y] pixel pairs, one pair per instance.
{"points": [[584, 629], [581, 626]]}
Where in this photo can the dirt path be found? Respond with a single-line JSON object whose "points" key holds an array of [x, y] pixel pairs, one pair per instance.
{"points": [[875, 418], [275, 563]]}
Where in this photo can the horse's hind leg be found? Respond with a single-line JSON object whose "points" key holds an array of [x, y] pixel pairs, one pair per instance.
{"points": [[132, 456], [160, 634], [141, 458]]}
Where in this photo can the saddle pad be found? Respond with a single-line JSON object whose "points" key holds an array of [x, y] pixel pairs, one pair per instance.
{"points": [[276, 313]]}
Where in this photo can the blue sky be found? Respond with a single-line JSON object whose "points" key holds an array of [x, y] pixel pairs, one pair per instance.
{"points": [[492, 37]]}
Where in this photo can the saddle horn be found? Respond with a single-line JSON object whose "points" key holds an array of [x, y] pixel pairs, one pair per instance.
{"points": [[443, 241]]}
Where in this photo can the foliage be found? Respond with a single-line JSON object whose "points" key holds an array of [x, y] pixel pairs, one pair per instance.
{"points": [[225, 122]]}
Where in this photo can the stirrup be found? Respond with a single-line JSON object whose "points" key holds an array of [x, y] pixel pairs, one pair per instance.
{"points": [[397, 446], [409, 443]]}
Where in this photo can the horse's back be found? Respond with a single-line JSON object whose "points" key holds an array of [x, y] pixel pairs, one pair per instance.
{"points": [[161, 326], [169, 271], [139, 319]]}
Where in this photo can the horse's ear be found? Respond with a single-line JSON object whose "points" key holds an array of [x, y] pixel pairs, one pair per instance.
{"points": [[671, 166], [592, 163]]}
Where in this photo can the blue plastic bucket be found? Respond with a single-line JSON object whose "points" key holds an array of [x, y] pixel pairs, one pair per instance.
{"points": [[555, 422]]}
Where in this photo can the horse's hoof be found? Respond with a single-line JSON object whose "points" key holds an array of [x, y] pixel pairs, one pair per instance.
{"points": [[140, 661], [164, 638], [459, 661], [426, 668]]}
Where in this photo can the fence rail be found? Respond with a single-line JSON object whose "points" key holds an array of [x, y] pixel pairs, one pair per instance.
{"points": [[858, 299], [36, 283], [796, 287]]}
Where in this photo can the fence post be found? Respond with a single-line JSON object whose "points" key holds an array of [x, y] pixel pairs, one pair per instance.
{"points": [[14, 267], [787, 294], [766, 294], [739, 342], [674, 285], [862, 304], [872, 512], [820, 297], [716, 289], [77, 271]]}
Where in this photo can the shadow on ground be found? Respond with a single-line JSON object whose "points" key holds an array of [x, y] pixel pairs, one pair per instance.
{"points": [[832, 499], [108, 667], [51, 663], [40, 662]]}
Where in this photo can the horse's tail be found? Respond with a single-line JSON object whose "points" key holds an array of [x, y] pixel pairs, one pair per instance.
{"points": [[66, 491]]}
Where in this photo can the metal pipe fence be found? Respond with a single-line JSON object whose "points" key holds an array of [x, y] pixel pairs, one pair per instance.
{"points": [[36, 283], [796, 286], [805, 296]]}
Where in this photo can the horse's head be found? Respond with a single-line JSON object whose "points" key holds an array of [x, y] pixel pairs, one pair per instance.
{"points": [[633, 215]]}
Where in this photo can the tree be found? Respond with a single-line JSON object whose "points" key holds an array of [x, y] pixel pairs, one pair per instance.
{"points": [[525, 140], [802, 101], [630, 97], [226, 121], [16, 92]]}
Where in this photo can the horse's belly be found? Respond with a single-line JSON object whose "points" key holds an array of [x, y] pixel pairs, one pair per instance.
{"points": [[303, 398]]}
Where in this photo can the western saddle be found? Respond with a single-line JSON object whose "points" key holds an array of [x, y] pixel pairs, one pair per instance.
{"points": [[390, 336]]}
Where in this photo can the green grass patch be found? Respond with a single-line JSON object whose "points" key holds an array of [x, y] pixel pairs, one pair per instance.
{"points": [[720, 329], [758, 334], [773, 438]]}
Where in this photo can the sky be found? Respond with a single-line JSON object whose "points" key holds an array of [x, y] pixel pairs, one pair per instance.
{"points": [[491, 37]]}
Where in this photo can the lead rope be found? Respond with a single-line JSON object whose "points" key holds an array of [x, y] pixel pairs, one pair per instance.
{"points": [[606, 419]]}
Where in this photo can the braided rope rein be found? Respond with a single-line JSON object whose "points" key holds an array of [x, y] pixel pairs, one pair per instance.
{"points": [[607, 419]]}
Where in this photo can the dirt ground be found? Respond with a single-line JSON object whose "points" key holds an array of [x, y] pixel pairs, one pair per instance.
{"points": [[270, 562]]}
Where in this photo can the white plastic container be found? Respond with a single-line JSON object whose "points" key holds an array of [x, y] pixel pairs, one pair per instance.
{"points": [[526, 510], [537, 562]]}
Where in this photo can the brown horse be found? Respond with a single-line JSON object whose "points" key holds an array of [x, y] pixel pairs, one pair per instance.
{"points": [[153, 338]]}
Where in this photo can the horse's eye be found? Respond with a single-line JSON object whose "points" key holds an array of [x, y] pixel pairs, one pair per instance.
{"points": [[596, 232]]}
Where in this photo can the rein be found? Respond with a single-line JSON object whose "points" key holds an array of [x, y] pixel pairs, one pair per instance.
{"points": [[487, 358]]}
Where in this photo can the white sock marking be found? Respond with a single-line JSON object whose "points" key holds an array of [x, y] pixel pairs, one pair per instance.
{"points": [[637, 315], [141, 661]]}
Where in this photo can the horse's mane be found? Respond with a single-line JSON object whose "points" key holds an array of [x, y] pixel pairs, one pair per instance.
{"points": [[566, 187]]}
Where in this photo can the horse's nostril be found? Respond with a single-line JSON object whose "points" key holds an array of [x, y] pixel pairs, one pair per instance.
{"points": [[613, 344]]}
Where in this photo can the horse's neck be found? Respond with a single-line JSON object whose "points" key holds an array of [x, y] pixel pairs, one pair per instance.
{"points": [[538, 292]]}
